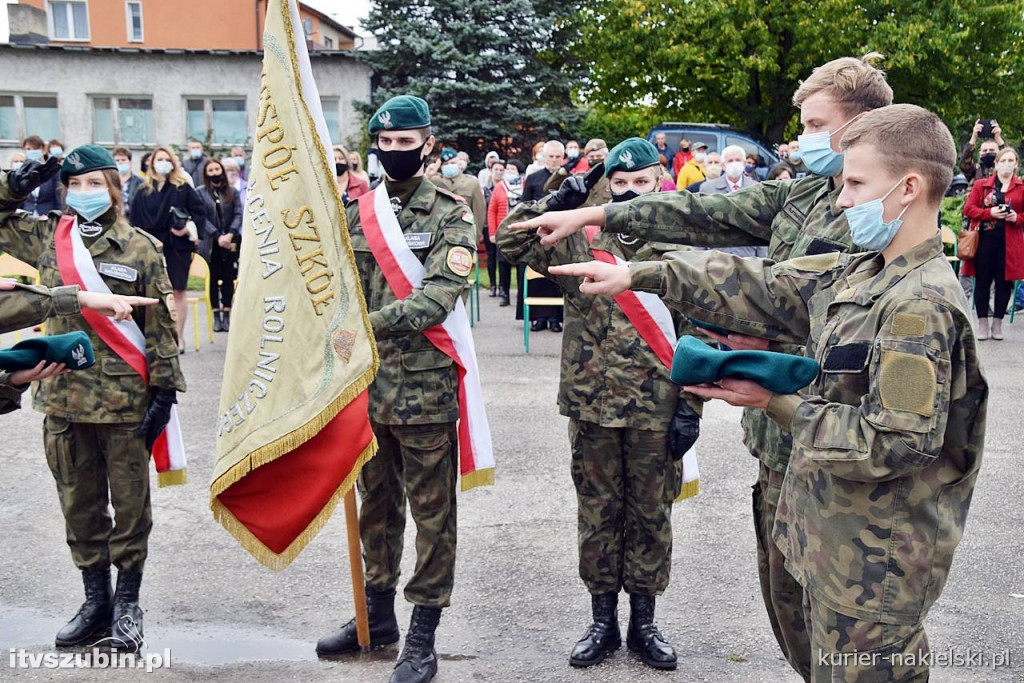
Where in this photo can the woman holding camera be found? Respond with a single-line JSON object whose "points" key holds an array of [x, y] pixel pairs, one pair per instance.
{"points": [[162, 207], [994, 207]]}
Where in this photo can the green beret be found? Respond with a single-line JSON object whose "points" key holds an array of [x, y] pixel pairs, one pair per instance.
{"points": [[634, 154], [447, 154], [404, 112], [73, 349], [84, 159], [694, 362]]}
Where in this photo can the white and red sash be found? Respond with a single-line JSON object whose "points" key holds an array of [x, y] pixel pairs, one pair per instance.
{"points": [[404, 272], [653, 322], [125, 339]]}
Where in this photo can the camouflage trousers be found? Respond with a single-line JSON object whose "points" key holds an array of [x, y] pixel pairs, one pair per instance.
{"points": [[783, 596], [418, 462], [95, 466], [847, 650], [625, 484]]}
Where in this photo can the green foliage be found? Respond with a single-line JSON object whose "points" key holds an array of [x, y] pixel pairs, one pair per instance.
{"points": [[740, 61], [615, 126], [951, 213], [496, 74]]}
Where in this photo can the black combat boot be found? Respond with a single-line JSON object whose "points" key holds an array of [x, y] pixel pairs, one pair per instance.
{"points": [[218, 321], [603, 637], [380, 608], [418, 661], [126, 628], [503, 293], [93, 619], [494, 291], [643, 637], [225, 322]]}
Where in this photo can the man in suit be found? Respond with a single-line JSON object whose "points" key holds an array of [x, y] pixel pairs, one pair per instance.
{"points": [[542, 317], [734, 159]]}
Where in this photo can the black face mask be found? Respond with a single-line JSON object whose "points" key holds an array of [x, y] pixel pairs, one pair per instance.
{"points": [[402, 165], [625, 196], [685, 149], [987, 159], [215, 180], [340, 168]]}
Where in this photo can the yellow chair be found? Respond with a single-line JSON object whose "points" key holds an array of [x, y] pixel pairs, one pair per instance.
{"points": [[200, 269], [528, 301], [15, 268]]}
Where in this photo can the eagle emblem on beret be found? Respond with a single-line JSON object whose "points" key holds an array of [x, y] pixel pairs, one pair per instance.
{"points": [[78, 354], [385, 119], [626, 158], [75, 161]]}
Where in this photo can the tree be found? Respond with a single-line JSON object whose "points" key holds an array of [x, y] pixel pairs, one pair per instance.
{"points": [[496, 74], [740, 61]]}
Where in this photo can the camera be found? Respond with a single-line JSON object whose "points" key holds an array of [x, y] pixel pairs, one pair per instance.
{"points": [[1005, 207], [986, 128]]}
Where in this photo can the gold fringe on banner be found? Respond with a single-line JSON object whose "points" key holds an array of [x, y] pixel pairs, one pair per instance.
{"points": [[688, 490], [171, 478]]}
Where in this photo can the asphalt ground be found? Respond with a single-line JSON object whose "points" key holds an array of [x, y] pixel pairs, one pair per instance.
{"points": [[518, 605]]}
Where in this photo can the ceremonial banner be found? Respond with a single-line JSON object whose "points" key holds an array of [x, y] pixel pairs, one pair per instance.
{"points": [[293, 428], [653, 322]]}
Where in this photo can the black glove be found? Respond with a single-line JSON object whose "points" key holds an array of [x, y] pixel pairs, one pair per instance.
{"points": [[158, 414], [31, 175], [683, 431], [574, 190]]}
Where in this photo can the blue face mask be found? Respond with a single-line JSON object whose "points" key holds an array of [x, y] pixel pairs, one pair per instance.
{"points": [[794, 156], [817, 153], [450, 170], [34, 154], [240, 161], [124, 168], [89, 204], [163, 167], [195, 153], [16, 165], [56, 151], [868, 228]]}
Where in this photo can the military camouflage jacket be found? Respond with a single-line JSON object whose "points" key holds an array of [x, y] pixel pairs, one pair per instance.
{"points": [[794, 217], [131, 263], [28, 305], [416, 383], [610, 376], [468, 188], [887, 441]]}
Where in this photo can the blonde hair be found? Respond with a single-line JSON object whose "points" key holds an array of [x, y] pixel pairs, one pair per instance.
{"points": [[855, 85], [176, 177], [1006, 150], [908, 139]]}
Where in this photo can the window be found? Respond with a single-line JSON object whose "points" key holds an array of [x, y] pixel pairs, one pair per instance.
{"points": [[307, 28], [330, 107], [133, 20], [40, 112], [328, 43], [69, 20], [219, 121], [8, 118], [24, 115], [122, 120]]}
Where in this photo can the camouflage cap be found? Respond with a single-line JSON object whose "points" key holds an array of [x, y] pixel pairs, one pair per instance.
{"points": [[84, 159], [447, 154], [633, 154], [73, 349], [404, 112]]}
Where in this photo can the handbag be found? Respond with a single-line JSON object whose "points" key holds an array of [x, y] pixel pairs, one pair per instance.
{"points": [[967, 244]]}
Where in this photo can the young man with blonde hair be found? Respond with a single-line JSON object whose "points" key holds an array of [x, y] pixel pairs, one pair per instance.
{"points": [[794, 218], [888, 439]]}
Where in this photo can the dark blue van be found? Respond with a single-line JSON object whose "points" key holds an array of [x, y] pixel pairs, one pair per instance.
{"points": [[718, 136]]}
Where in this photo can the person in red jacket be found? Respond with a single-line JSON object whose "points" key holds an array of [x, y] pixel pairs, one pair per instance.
{"points": [[497, 209], [994, 208]]}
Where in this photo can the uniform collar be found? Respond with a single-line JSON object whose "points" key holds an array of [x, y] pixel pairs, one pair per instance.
{"points": [[423, 197], [833, 190], [118, 233]]}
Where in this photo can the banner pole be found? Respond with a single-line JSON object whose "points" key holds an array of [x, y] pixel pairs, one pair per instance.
{"points": [[355, 560]]}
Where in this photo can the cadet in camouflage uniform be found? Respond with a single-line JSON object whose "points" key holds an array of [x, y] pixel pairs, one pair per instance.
{"points": [[100, 421], [887, 441], [628, 426], [26, 305], [413, 400], [794, 218], [452, 179]]}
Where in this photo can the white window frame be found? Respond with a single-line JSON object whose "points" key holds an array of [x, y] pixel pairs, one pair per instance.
{"points": [[19, 110], [115, 112], [128, 21], [71, 21], [208, 116]]}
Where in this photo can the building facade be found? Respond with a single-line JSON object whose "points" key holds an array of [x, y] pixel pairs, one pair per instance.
{"points": [[140, 98]]}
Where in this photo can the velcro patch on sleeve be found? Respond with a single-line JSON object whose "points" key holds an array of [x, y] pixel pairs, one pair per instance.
{"points": [[847, 357], [909, 324], [817, 263], [906, 382]]}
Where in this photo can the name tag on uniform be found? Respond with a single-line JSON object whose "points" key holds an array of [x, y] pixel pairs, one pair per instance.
{"points": [[795, 213], [418, 240], [118, 271]]}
